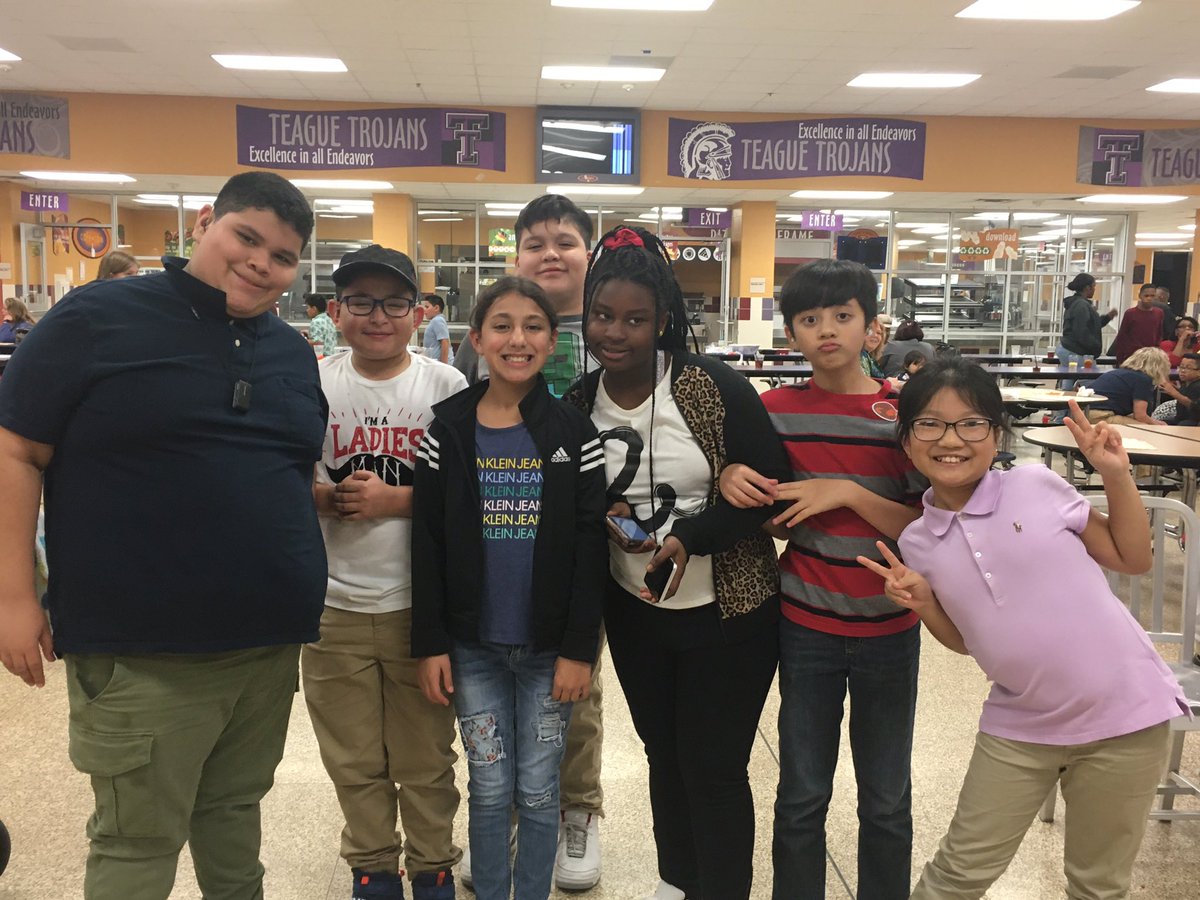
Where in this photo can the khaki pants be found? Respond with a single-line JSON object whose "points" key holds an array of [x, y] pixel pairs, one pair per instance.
{"points": [[180, 749], [384, 745], [1108, 787], [579, 775]]}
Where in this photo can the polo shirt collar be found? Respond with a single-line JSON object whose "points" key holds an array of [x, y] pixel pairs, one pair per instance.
{"points": [[982, 502], [205, 300]]}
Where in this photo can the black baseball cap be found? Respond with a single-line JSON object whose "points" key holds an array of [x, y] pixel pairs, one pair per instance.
{"points": [[376, 257]]}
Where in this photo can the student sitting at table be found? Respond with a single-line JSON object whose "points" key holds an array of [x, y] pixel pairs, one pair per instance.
{"points": [[1185, 400], [1184, 342], [1130, 389]]}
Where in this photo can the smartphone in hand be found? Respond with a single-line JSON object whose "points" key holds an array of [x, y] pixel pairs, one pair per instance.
{"points": [[626, 531], [656, 581]]}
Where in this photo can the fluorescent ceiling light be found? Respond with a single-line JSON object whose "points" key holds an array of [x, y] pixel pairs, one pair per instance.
{"points": [[1158, 235], [1160, 243], [616, 190], [717, 208], [583, 126], [592, 212], [910, 242], [567, 151], [5, 56], [670, 209], [932, 229], [1077, 220], [639, 5], [912, 80], [96, 177], [864, 213], [280, 63], [436, 212], [451, 219], [843, 195], [1056, 10], [602, 73], [918, 225], [1177, 86], [1187, 227], [1075, 231], [1124, 199], [342, 184], [336, 216]]}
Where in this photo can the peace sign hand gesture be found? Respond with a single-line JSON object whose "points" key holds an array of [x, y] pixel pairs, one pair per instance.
{"points": [[902, 585], [1100, 443]]}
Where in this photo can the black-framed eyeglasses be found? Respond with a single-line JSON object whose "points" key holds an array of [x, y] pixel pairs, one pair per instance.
{"points": [[969, 430], [393, 307]]}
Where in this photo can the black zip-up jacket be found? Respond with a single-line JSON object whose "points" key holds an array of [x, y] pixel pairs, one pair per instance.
{"points": [[1082, 326], [570, 551]]}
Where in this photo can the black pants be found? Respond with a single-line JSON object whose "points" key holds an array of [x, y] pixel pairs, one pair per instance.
{"points": [[695, 701]]}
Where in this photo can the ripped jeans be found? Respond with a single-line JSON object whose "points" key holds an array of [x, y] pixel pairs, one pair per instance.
{"points": [[513, 734]]}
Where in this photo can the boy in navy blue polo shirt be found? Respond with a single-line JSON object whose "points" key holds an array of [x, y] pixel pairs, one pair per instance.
{"points": [[175, 422]]}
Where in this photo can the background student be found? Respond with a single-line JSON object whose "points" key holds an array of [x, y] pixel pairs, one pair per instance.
{"points": [[1079, 693], [384, 746], [508, 561], [695, 654], [436, 339]]}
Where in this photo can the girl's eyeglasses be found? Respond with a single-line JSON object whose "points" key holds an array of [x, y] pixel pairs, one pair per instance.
{"points": [[970, 430]]}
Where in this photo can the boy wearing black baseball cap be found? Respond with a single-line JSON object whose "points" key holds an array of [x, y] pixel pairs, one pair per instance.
{"points": [[385, 747]]}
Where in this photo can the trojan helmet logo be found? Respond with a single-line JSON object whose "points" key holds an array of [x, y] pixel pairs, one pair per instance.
{"points": [[706, 152]]}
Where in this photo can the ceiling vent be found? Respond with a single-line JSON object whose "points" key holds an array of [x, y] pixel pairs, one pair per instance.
{"points": [[1102, 73]]}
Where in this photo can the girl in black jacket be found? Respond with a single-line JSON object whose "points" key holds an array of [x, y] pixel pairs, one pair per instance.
{"points": [[695, 655], [508, 571]]}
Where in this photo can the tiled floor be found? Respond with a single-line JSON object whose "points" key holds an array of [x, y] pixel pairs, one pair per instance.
{"points": [[45, 804]]}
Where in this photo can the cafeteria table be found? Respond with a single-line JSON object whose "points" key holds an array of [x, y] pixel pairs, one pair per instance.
{"points": [[1173, 446]]}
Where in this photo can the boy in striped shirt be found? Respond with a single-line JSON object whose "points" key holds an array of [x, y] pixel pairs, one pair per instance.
{"points": [[852, 485]]}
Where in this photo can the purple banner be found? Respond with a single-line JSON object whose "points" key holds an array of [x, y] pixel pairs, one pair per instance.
{"points": [[44, 201], [799, 148], [35, 124], [707, 218], [1119, 157], [387, 138], [821, 221]]}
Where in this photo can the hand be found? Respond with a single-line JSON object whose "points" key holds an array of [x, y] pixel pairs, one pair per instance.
{"points": [[24, 630], [1099, 443], [902, 585], [361, 495], [572, 680], [622, 510], [433, 675], [745, 488], [814, 496], [672, 549]]}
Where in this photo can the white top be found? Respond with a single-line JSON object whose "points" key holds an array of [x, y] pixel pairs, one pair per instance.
{"points": [[376, 426], [682, 482]]}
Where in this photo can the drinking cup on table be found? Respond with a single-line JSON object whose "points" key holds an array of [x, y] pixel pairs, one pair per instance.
{"points": [[1088, 362], [1073, 363]]}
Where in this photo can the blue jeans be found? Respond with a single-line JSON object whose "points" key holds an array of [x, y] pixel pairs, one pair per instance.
{"points": [[513, 734], [1064, 358], [814, 671]]}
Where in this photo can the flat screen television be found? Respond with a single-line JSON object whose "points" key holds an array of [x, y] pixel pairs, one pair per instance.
{"points": [[590, 145]]}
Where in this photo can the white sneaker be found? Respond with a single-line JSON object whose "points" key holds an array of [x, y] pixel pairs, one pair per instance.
{"points": [[666, 891], [577, 864]]}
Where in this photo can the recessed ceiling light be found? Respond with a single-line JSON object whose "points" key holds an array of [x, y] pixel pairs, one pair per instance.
{"points": [[931, 229], [435, 212], [1058, 10], [5, 56], [1177, 86], [639, 5], [1160, 243], [280, 63], [1158, 235], [1123, 199], [342, 184], [593, 212], [1187, 227], [716, 209], [912, 80], [843, 195], [448, 219], [616, 190], [602, 73], [96, 177], [909, 242], [336, 216]]}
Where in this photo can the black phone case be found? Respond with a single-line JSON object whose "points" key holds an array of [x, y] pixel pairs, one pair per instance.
{"points": [[658, 579]]}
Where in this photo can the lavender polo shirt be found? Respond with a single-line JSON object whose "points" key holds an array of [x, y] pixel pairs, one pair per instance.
{"points": [[1068, 662]]}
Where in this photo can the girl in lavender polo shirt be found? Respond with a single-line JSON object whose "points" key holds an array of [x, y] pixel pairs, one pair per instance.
{"points": [[1006, 567]]}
